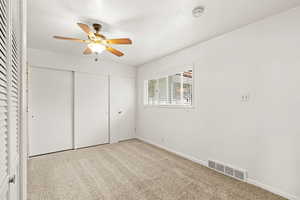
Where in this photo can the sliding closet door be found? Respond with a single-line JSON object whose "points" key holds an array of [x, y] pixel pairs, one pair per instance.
{"points": [[50, 111], [122, 108], [91, 110]]}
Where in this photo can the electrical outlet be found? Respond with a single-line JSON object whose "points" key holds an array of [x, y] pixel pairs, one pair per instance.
{"points": [[245, 97]]}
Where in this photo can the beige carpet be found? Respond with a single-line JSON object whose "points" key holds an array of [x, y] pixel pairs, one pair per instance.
{"points": [[131, 170]]}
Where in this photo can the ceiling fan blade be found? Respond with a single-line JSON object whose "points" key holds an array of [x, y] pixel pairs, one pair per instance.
{"points": [[84, 27], [119, 41], [114, 51], [87, 30], [67, 38], [87, 51]]}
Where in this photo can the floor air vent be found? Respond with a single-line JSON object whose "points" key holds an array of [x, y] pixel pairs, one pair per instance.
{"points": [[228, 170]]}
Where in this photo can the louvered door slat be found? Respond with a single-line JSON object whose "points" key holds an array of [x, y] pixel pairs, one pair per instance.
{"points": [[3, 97], [3, 87], [2, 19], [2, 34], [3, 3], [3, 90], [14, 49], [3, 9], [14, 67], [2, 42], [3, 52], [3, 103], [3, 110], [2, 65], [3, 117], [3, 123], [3, 12], [2, 82], [14, 74], [15, 84], [3, 77], [2, 25], [14, 60]]}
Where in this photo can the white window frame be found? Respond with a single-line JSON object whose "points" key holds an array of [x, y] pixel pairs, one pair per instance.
{"points": [[181, 106]]}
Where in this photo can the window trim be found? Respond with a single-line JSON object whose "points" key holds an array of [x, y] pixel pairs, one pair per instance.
{"points": [[145, 97]]}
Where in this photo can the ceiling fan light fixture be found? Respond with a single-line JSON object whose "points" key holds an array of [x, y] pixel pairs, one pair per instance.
{"points": [[96, 42], [97, 48]]}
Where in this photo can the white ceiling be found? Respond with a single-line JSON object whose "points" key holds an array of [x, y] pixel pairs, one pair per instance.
{"points": [[157, 27]]}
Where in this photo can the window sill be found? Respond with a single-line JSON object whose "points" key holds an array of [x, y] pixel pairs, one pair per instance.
{"points": [[170, 106]]}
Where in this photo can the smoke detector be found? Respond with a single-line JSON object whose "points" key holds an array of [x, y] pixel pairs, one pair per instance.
{"points": [[198, 11]]}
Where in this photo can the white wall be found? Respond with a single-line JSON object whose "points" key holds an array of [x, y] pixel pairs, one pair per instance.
{"points": [[262, 135], [83, 63]]}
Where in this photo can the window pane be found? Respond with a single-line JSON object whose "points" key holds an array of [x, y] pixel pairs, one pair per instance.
{"points": [[174, 89], [151, 92], [163, 92], [187, 87]]}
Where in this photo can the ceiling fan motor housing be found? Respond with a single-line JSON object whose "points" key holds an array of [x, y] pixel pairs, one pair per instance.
{"points": [[97, 27]]}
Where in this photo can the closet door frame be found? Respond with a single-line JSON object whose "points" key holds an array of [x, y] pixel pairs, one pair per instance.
{"points": [[23, 114], [23, 101]]}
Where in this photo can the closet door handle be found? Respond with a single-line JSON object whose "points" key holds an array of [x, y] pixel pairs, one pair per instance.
{"points": [[12, 180]]}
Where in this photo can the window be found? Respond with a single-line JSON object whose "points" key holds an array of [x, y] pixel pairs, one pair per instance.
{"points": [[175, 89]]}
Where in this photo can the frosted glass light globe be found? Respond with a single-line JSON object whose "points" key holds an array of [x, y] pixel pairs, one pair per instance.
{"points": [[98, 48]]}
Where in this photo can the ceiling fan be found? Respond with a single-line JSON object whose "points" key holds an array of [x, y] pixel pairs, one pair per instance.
{"points": [[96, 42]]}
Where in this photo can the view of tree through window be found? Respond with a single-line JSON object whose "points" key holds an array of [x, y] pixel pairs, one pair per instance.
{"points": [[176, 89], [151, 92]]}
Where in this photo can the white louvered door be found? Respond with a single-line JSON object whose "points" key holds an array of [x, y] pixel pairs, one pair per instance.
{"points": [[4, 170], [9, 99], [13, 103], [14, 119]]}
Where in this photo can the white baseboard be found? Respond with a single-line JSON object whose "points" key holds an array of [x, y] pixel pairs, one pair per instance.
{"points": [[201, 162], [205, 163], [271, 189]]}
